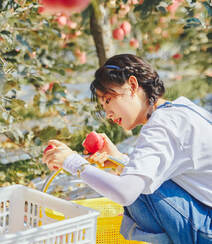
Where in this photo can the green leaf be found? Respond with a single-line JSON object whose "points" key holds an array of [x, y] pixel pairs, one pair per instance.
{"points": [[70, 44], [26, 57], [36, 100], [17, 103], [162, 9], [2, 75], [62, 72], [9, 85], [86, 14], [4, 32], [11, 53], [208, 8], [11, 60], [147, 7], [209, 50], [64, 133], [23, 42], [192, 22], [190, 11], [209, 35], [61, 93], [48, 133]]}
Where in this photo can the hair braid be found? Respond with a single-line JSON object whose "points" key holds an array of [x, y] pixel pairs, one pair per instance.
{"points": [[119, 68]]}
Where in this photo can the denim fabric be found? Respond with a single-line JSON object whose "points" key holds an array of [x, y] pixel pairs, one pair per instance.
{"points": [[169, 215]]}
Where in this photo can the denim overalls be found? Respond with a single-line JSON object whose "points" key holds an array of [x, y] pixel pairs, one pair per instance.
{"points": [[169, 215]]}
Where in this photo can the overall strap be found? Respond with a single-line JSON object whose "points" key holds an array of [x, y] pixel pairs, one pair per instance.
{"points": [[169, 104]]}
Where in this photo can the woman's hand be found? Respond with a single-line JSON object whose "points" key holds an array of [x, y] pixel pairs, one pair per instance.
{"points": [[101, 159], [109, 147], [55, 157]]}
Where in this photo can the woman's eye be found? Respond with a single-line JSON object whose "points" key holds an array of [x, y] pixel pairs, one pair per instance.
{"points": [[107, 100]]}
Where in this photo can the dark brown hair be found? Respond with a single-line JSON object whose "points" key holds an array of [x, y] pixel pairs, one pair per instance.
{"points": [[118, 69]]}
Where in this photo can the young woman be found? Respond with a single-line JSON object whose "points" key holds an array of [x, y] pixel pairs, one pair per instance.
{"points": [[166, 187]]}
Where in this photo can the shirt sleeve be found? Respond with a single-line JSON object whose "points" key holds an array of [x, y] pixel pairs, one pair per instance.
{"points": [[121, 189], [153, 156]]}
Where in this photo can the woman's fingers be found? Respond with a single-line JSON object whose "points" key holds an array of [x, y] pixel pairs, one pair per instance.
{"points": [[51, 156], [102, 160], [109, 164], [48, 154], [54, 142], [105, 137], [85, 152], [50, 159], [99, 157], [55, 156], [53, 165]]}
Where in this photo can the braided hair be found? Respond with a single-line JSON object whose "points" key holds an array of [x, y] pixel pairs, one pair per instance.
{"points": [[118, 69]]}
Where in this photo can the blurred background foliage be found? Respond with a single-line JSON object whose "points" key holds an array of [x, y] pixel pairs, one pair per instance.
{"points": [[48, 55]]}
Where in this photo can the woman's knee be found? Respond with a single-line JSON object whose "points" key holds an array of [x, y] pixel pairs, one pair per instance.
{"points": [[140, 212]]}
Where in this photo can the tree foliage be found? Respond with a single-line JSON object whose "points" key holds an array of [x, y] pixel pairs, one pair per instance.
{"points": [[47, 52]]}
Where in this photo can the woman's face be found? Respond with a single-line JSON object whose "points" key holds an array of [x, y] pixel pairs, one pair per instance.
{"points": [[127, 105]]}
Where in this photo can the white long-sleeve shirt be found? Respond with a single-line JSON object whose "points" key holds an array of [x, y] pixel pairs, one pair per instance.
{"points": [[176, 143]]}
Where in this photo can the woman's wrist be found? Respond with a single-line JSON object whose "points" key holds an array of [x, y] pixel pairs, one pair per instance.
{"points": [[74, 164]]}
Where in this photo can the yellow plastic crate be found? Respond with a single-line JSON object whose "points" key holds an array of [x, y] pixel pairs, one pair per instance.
{"points": [[108, 222]]}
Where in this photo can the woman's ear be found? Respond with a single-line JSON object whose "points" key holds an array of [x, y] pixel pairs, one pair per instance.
{"points": [[132, 81]]}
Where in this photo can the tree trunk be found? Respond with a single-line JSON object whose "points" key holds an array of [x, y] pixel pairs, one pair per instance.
{"points": [[2, 77], [101, 32]]}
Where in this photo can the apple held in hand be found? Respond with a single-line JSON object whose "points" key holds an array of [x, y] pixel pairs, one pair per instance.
{"points": [[48, 148], [93, 142]]}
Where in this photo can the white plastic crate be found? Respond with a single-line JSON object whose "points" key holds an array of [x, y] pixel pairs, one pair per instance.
{"points": [[23, 219]]}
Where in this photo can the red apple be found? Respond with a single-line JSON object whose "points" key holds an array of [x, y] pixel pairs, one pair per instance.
{"points": [[126, 26], [63, 35], [113, 20], [47, 87], [177, 56], [118, 34], [32, 55], [124, 9], [133, 2], [48, 148], [65, 6], [71, 24], [173, 7], [62, 20], [81, 56], [134, 43], [93, 142], [165, 34], [157, 30], [157, 47], [151, 48], [208, 73], [41, 10], [162, 20]]}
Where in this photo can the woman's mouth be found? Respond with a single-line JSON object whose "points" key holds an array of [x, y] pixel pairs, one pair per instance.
{"points": [[118, 121]]}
